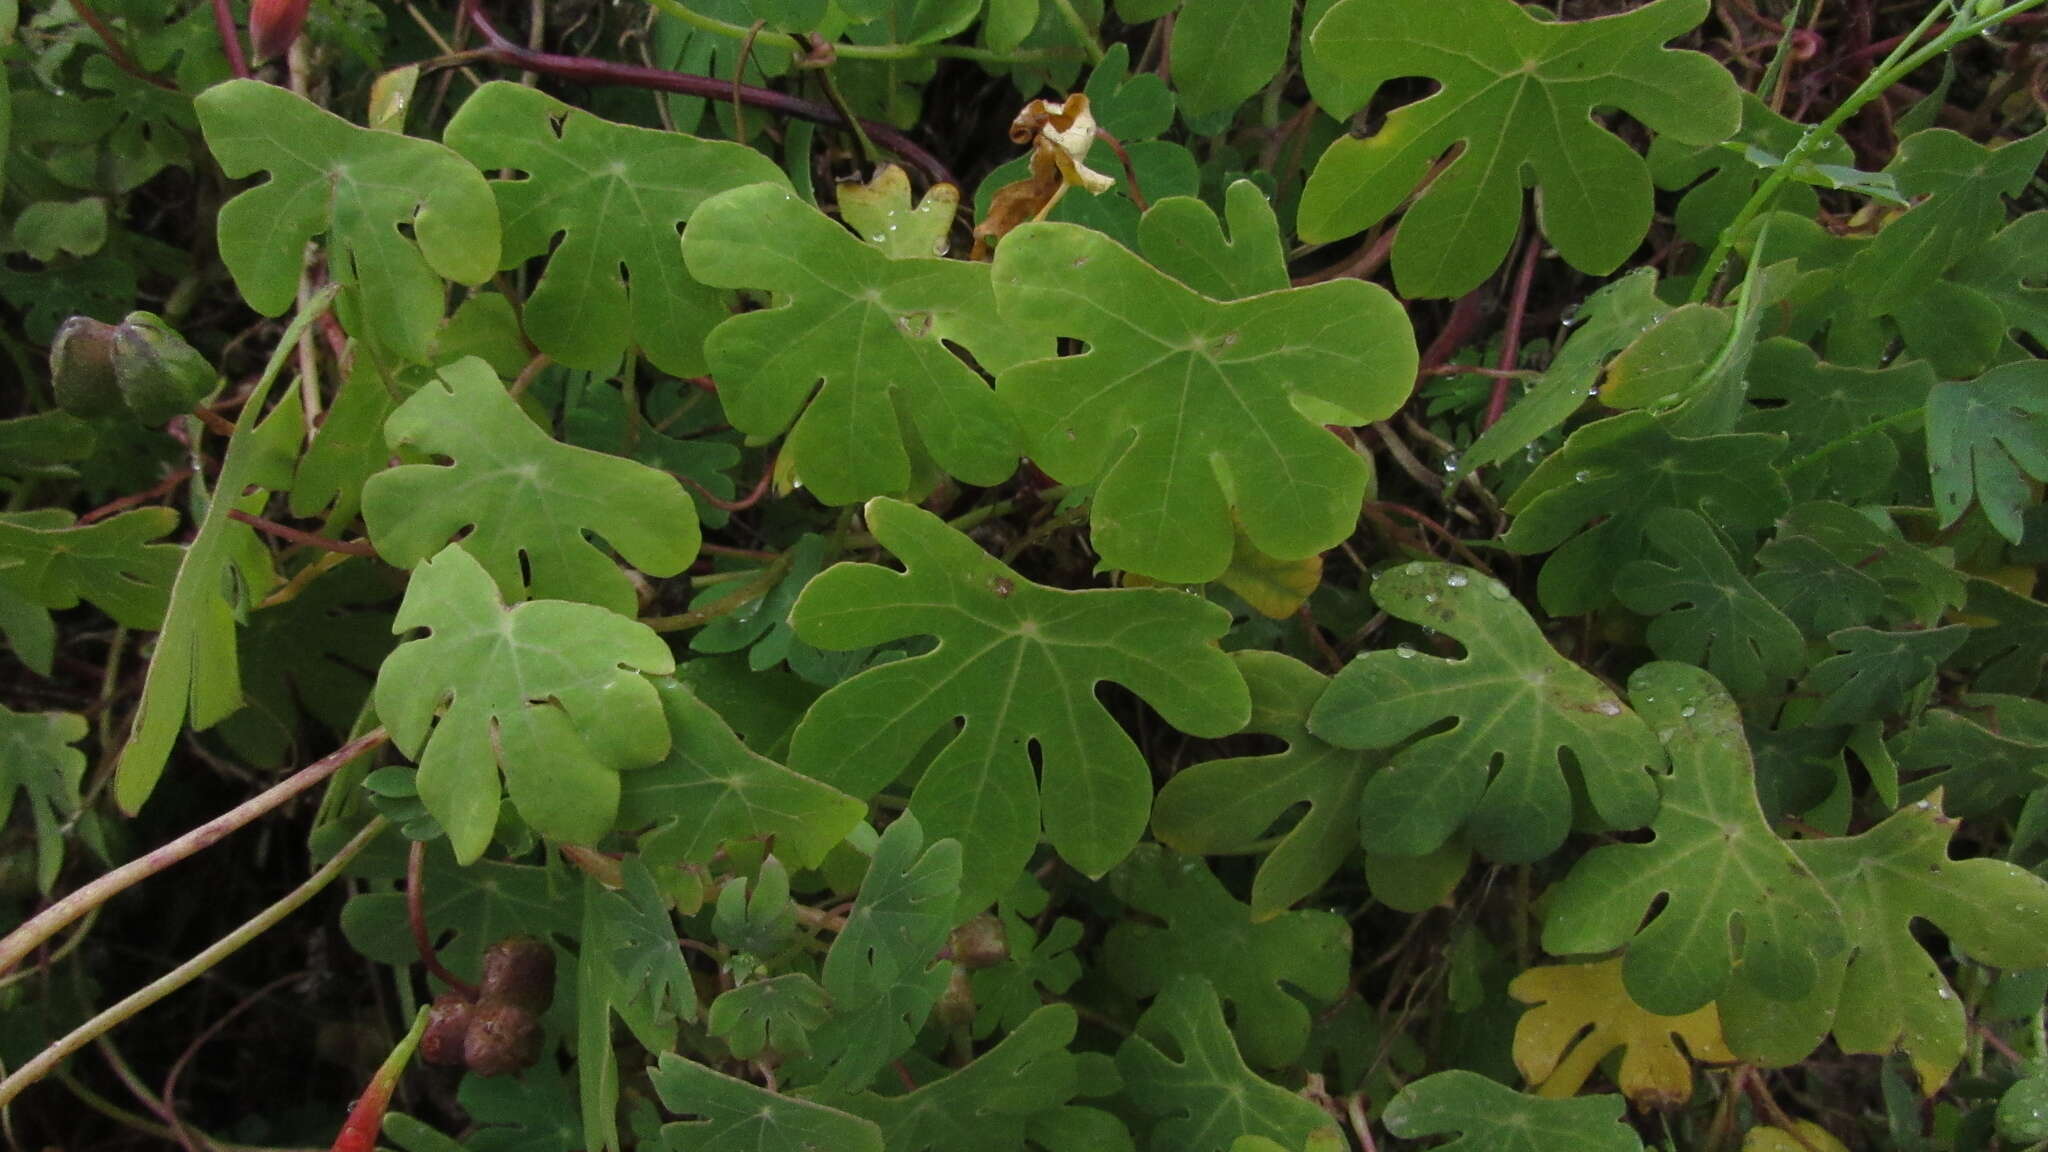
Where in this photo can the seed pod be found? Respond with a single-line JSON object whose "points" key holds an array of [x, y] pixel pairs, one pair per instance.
{"points": [[980, 943], [503, 1038], [274, 25], [158, 373], [82, 368], [447, 1029], [519, 970]]}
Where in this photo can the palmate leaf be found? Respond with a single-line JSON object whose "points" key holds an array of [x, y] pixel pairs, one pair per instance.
{"points": [[38, 761], [735, 1116], [1516, 704], [617, 196], [1226, 806], [1873, 673], [1719, 178], [365, 191], [1891, 993], [646, 961], [2008, 644], [1964, 184], [1622, 468], [1208, 933], [996, 1103], [1182, 1068], [1982, 435], [1827, 406], [1019, 663], [1705, 611], [1914, 582], [711, 789], [1990, 750], [1495, 1118], [1733, 891], [1185, 410], [777, 1014], [1517, 92], [1579, 1014], [881, 973], [1182, 237], [854, 349], [550, 693], [49, 562], [522, 496]]}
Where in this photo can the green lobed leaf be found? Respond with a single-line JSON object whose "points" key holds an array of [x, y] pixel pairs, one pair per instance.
{"points": [[992, 1104], [467, 908], [616, 196], [1873, 673], [524, 499], [358, 187], [1988, 750], [1516, 703], [1226, 806], [1982, 435], [1204, 931], [1736, 898], [711, 790], [1516, 92], [1963, 184], [774, 1015], [1826, 412], [1182, 1068], [880, 974], [1915, 583], [2008, 644], [854, 348], [1706, 612], [550, 693], [1182, 237], [1590, 500], [38, 761], [1891, 993], [1495, 1118], [1019, 663], [647, 964], [1720, 178], [732, 1115], [1185, 410], [49, 562]]}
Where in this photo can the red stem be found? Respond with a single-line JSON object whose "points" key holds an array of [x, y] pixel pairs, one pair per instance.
{"points": [[286, 532], [115, 52], [500, 50], [752, 498], [416, 919], [1511, 339], [160, 489], [230, 39]]}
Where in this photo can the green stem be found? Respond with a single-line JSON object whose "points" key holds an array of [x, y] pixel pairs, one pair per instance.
{"points": [[1896, 66], [755, 589], [135, 1002], [1079, 27], [717, 27]]}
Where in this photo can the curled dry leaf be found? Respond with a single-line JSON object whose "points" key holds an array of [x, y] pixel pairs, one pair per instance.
{"points": [[1060, 135]]}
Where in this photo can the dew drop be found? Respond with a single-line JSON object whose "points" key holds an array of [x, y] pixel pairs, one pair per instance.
{"points": [[1450, 463], [1404, 652], [1429, 597], [1608, 708], [1581, 476], [1571, 318], [1457, 580], [1413, 569], [1497, 590], [1687, 711]]}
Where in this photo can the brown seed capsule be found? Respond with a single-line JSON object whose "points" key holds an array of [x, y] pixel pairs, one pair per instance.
{"points": [[503, 1038], [519, 970], [980, 943], [447, 1029]]}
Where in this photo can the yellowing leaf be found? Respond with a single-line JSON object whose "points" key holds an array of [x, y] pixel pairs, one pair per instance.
{"points": [[1556, 1053], [1274, 588], [880, 211], [1810, 1137]]}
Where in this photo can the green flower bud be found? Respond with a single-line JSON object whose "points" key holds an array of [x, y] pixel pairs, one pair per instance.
{"points": [[160, 376], [82, 368]]}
